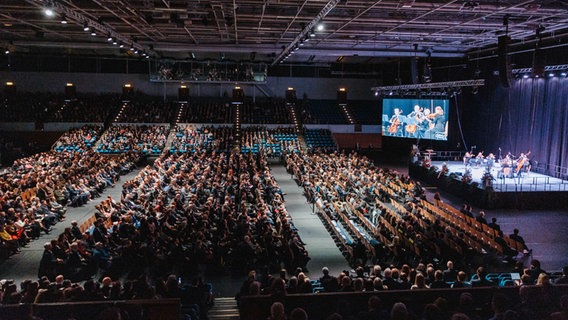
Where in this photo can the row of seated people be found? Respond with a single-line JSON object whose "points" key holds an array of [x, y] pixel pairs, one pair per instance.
{"points": [[189, 210], [381, 210], [208, 112], [188, 138], [194, 296], [265, 112], [86, 108], [492, 305], [272, 141], [78, 139], [148, 140], [35, 191], [147, 110]]}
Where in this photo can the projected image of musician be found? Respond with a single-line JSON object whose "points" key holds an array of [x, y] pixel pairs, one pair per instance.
{"points": [[440, 129], [414, 128], [396, 123]]}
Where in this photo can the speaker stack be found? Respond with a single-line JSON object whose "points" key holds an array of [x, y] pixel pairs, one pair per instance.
{"points": [[505, 74]]}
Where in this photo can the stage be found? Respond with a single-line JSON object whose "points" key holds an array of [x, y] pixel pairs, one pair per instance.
{"points": [[528, 190], [503, 182]]}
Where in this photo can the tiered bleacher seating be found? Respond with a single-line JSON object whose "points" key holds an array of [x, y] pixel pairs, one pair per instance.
{"points": [[322, 112], [79, 139], [319, 138]]}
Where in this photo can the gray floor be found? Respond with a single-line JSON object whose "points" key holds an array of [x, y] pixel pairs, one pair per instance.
{"points": [[25, 265], [319, 243]]}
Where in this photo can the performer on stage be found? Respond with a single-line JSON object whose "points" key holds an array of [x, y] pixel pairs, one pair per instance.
{"points": [[490, 161], [467, 158]]}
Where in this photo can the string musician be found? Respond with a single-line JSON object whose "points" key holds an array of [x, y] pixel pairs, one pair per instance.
{"points": [[479, 159], [467, 158], [414, 119], [395, 126], [490, 161]]}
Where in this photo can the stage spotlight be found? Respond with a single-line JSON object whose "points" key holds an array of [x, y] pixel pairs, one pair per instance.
{"points": [[525, 76], [114, 42], [563, 74], [312, 33], [7, 51], [376, 93], [63, 19], [48, 12], [320, 27], [550, 75], [93, 33], [121, 45], [109, 38], [86, 27]]}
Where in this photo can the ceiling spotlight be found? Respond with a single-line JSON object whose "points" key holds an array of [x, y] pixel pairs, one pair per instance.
{"points": [[7, 51], [132, 47], [121, 45], [48, 12], [320, 27], [114, 42], [93, 32], [563, 74], [135, 51], [86, 27], [551, 75], [312, 33], [63, 19], [109, 38], [525, 76]]}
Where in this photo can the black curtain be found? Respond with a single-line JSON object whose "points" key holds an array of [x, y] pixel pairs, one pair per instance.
{"points": [[533, 117]]}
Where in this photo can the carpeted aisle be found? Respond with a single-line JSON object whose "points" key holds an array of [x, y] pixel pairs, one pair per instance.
{"points": [[321, 247]]}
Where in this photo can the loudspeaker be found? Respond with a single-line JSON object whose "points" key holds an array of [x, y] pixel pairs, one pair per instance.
{"points": [[183, 94], [505, 74], [538, 63]]}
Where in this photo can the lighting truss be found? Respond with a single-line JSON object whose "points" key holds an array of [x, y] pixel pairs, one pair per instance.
{"points": [[324, 12], [82, 20], [432, 85], [560, 67]]}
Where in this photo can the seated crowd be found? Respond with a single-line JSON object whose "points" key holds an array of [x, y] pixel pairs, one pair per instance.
{"points": [[78, 139], [188, 138], [35, 191], [536, 296], [142, 139], [272, 141], [382, 214]]}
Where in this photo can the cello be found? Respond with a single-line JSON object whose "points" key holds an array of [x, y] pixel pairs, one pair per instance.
{"points": [[522, 160], [393, 128]]}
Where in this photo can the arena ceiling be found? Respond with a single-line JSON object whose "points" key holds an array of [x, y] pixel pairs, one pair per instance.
{"points": [[265, 30]]}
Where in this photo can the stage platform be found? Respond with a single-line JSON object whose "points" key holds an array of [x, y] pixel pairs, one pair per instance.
{"points": [[524, 182], [529, 190]]}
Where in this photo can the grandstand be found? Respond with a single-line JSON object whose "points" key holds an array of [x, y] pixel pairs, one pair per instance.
{"points": [[282, 160]]}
